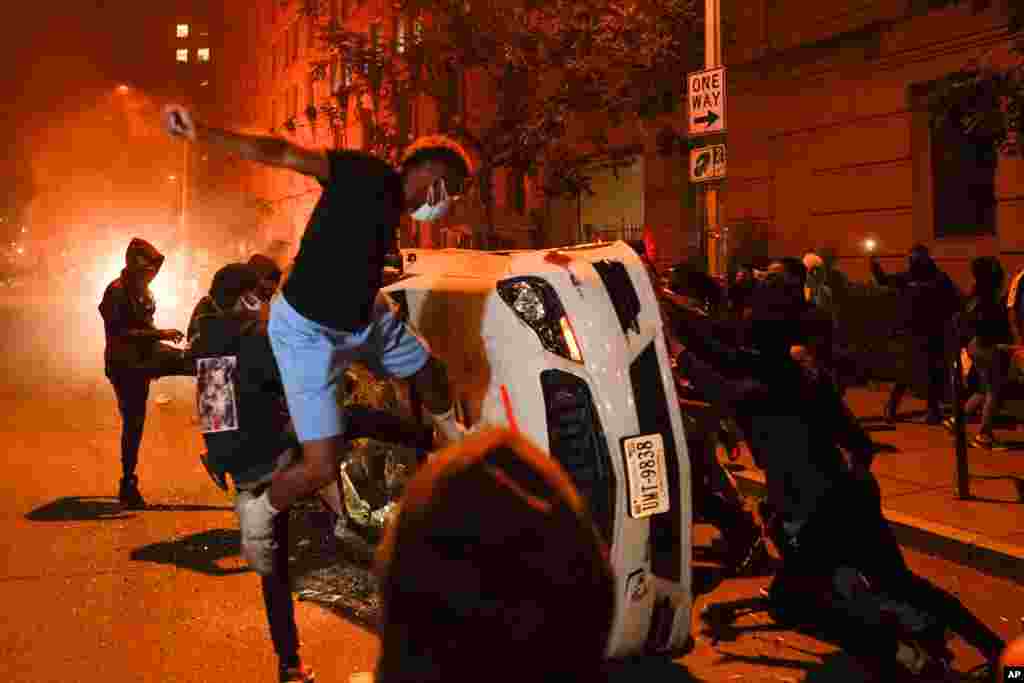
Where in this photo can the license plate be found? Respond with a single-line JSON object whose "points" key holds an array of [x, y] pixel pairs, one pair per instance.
{"points": [[645, 473]]}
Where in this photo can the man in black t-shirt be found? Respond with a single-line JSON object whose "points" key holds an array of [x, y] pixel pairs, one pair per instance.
{"points": [[330, 312]]}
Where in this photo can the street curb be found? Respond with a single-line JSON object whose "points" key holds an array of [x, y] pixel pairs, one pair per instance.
{"points": [[963, 547]]}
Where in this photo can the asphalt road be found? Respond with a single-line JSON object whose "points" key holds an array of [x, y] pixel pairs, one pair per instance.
{"points": [[91, 593]]}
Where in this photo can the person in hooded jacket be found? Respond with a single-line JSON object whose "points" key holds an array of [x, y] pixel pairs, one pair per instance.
{"points": [[248, 435], [984, 329], [135, 354], [931, 302]]}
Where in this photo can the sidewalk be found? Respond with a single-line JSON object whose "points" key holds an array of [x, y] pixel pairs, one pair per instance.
{"points": [[917, 475]]}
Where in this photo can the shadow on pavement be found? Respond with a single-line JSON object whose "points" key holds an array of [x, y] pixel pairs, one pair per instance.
{"points": [[648, 669], [718, 624], [199, 552], [835, 667], [1018, 485], [85, 508]]}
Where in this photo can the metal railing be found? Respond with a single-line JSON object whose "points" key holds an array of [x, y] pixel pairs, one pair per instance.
{"points": [[610, 232]]}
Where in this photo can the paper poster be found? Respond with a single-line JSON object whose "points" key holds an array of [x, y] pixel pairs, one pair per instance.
{"points": [[216, 401]]}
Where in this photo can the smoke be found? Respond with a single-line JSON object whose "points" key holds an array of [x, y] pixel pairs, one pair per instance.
{"points": [[105, 173]]}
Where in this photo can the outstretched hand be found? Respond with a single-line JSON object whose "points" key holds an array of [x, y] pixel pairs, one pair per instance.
{"points": [[178, 122]]}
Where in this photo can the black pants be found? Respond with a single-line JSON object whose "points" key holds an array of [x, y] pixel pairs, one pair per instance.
{"points": [[852, 532], [929, 364], [735, 523], [132, 391], [131, 386], [277, 598]]}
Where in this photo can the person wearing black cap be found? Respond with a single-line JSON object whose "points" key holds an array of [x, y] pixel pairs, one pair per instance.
{"points": [[134, 354], [245, 425], [493, 567]]}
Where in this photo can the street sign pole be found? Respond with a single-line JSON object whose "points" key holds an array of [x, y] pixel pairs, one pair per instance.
{"points": [[713, 60]]}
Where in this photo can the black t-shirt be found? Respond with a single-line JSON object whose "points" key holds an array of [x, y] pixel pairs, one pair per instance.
{"points": [[339, 268]]}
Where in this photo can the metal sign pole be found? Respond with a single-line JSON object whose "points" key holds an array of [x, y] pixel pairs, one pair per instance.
{"points": [[963, 477], [712, 59]]}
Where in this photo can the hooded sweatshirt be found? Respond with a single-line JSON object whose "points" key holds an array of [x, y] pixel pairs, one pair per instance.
{"points": [[248, 452], [931, 298], [127, 308]]}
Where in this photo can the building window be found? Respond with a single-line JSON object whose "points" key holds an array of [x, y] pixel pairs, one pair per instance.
{"points": [[182, 55], [203, 54], [963, 182], [182, 30]]}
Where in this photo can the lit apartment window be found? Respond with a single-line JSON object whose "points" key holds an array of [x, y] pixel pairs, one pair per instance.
{"points": [[182, 54], [203, 54], [182, 30]]}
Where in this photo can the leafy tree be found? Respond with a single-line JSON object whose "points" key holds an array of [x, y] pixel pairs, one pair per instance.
{"points": [[529, 67], [987, 96]]}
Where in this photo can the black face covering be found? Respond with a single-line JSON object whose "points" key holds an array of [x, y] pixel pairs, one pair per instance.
{"points": [[920, 265]]}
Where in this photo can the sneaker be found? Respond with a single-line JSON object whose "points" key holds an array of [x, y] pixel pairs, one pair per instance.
{"points": [[297, 674], [220, 479], [128, 494], [950, 425], [988, 443]]}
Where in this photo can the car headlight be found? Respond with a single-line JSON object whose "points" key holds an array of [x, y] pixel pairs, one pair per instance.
{"points": [[537, 305], [527, 302]]}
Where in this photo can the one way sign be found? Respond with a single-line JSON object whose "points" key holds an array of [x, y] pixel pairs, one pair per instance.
{"points": [[706, 98]]}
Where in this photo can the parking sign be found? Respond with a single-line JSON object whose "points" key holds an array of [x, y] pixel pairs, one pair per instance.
{"points": [[707, 163]]}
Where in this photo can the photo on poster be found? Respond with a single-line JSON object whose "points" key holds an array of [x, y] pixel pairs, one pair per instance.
{"points": [[216, 404]]}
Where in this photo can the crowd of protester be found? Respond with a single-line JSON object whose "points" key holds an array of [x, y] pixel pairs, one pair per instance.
{"points": [[765, 351], [492, 551]]}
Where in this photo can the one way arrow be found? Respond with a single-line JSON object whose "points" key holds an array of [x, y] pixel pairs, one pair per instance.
{"points": [[708, 119]]}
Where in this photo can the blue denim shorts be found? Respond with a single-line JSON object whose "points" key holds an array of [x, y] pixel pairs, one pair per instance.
{"points": [[313, 359]]}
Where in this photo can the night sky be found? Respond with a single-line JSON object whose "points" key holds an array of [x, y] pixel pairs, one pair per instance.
{"points": [[68, 57]]}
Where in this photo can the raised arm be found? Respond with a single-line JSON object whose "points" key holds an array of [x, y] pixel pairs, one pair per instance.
{"points": [[271, 151]]}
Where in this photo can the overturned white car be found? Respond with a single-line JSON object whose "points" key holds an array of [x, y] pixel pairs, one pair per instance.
{"points": [[566, 345]]}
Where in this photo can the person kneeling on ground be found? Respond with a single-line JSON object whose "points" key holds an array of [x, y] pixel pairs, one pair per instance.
{"points": [[493, 567], [842, 568], [247, 434]]}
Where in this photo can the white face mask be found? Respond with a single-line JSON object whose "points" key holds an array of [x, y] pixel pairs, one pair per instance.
{"points": [[437, 204], [250, 302]]}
